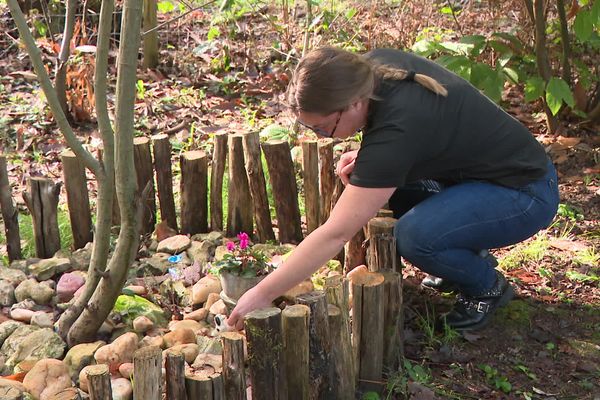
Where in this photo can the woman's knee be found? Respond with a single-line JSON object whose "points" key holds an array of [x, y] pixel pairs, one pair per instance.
{"points": [[412, 238]]}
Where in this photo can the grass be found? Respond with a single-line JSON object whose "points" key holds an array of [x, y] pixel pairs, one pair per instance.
{"points": [[530, 251]]}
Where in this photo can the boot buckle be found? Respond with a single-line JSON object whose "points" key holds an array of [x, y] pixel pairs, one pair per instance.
{"points": [[482, 307]]}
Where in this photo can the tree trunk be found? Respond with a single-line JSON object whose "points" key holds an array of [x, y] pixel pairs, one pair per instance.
{"points": [[327, 178], [77, 199], [239, 211], [258, 187], [234, 374], [42, 201], [296, 350], [145, 175], [175, 376], [63, 57], [99, 382], [216, 181], [194, 196], [164, 179], [310, 169], [147, 375], [109, 288], [151, 38], [10, 215], [285, 192]]}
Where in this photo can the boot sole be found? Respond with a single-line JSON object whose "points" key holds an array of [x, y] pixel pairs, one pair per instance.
{"points": [[508, 295]]}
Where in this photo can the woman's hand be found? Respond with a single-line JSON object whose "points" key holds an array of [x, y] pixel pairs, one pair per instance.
{"points": [[252, 300], [346, 165]]}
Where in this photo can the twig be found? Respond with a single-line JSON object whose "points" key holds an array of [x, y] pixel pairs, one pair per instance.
{"points": [[454, 16], [177, 17]]}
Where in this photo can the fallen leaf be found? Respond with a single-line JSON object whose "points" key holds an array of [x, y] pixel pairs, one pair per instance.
{"points": [[568, 141], [567, 245]]}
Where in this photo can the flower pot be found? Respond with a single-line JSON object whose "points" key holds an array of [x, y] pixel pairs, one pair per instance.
{"points": [[235, 286]]}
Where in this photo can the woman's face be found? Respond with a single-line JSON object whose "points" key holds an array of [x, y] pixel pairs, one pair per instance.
{"points": [[340, 124]]}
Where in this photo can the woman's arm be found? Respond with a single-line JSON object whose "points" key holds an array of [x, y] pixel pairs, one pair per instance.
{"points": [[353, 210]]}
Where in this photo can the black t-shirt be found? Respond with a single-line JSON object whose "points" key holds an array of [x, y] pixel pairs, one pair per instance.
{"points": [[413, 133]]}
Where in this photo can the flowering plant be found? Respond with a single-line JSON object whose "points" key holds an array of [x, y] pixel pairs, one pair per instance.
{"points": [[242, 260]]}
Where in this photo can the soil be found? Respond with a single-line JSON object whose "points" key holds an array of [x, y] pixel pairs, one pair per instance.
{"points": [[544, 345]]}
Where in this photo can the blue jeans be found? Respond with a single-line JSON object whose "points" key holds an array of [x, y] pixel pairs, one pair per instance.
{"points": [[446, 229]]}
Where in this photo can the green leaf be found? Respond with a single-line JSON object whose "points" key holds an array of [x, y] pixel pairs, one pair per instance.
{"points": [[457, 48], [424, 47], [165, 7], [558, 91], [511, 74], [583, 25], [351, 13], [595, 13], [213, 33], [534, 88], [479, 43]]}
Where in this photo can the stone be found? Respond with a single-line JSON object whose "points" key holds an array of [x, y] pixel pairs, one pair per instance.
{"points": [[185, 324], [13, 276], [83, 379], [205, 286], [201, 252], [174, 245], [212, 299], [7, 294], [7, 328], [205, 359], [136, 289], [197, 315], [10, 389], [24, 366], [189, 350], [301, 288], [9, 347], [31, 289], [80, 259], [121, 389], [47, 378], [22, 315], [78, 292], [152, 266], [220, 251], [118, 352], [152, 341], [48, 268], [142, 324], [68, 284], [80, 356], [126, 370], [42, 319], [192, 274], [214, 236], [209, 345], [218, 308], [179, 336], [37, 345]]}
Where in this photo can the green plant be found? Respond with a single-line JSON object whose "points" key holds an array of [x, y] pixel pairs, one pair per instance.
{"points": [[494, 378], [242, 260], [141, 89], [588, 256], [569, 212], [526, 372], [533, 250]]}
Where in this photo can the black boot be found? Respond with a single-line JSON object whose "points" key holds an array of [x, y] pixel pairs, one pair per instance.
{"points": [[445, 286], [474, 312]]}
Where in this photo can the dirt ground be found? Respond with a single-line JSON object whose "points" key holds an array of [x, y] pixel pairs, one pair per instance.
{"points": [[544, 345]]}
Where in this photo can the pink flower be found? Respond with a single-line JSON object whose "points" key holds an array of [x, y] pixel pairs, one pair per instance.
{"points": [[244, 239], [230, 246]]}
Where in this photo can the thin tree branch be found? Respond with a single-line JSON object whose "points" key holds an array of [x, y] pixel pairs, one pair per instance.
{"points": [[177, 17]]}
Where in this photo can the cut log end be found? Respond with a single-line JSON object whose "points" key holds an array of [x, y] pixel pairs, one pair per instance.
{"points": [[363, 277], [263, 313]]}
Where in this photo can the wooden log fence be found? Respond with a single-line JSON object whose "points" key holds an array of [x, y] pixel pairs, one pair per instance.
{"points": [[77, 199], [9, 215], [145, 176]]}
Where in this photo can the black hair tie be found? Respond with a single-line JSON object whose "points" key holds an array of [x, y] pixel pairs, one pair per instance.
{"points": [[410, 76]]}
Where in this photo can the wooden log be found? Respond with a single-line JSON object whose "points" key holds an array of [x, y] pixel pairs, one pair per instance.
{"points": [[175, 369], [239, 211], [319, 344], [10, 393], [42, 201], [310, 169], [296, 350], [326, 178], [145, 175], [218, 387], [194, 192], [164, 179], [258, 187], [77, 199], [10, 215], [147, 373], [393, 321], [385, 213], [234, 375], [337, 192], [219, 158], [338, 294], [367, 329], [285, 191], [265, 354], [99, 382], [382, 254], [339, 354], [198, 387], [355, 251]]}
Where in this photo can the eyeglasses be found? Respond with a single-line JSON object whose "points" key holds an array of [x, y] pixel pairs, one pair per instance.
{"points": [[320, 131]]}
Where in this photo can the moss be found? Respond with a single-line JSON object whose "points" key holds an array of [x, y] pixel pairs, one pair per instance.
{"points": [[517, 313]]}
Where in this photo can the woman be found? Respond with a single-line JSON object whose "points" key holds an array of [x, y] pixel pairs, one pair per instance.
{"points": [[461, 175]]}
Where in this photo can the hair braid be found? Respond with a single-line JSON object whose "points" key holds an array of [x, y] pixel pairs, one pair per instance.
{"points": [[398, 74]]}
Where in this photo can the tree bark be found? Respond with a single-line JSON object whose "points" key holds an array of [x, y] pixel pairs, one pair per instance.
{"points": [[77, 199], [393, 321], [355, 251], [239, 212], [63, 57], [147, 374], [265, 354], [164, 179], [10, 215], [194, 195], [216, 181], [310, 169], [151, 38], [109, 288], [327, 178], [258, 187], [296, 350], [285, 191], [99, 382], [382, 245], [145, 176], [234, 375], [565, 42], [42, 201], [175, 377]]}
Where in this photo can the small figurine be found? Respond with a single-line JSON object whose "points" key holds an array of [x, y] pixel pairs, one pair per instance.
{"points": [[222, 324]]}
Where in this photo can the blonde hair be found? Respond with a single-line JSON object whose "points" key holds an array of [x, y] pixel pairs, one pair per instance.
{"points": [[328, 80]]}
